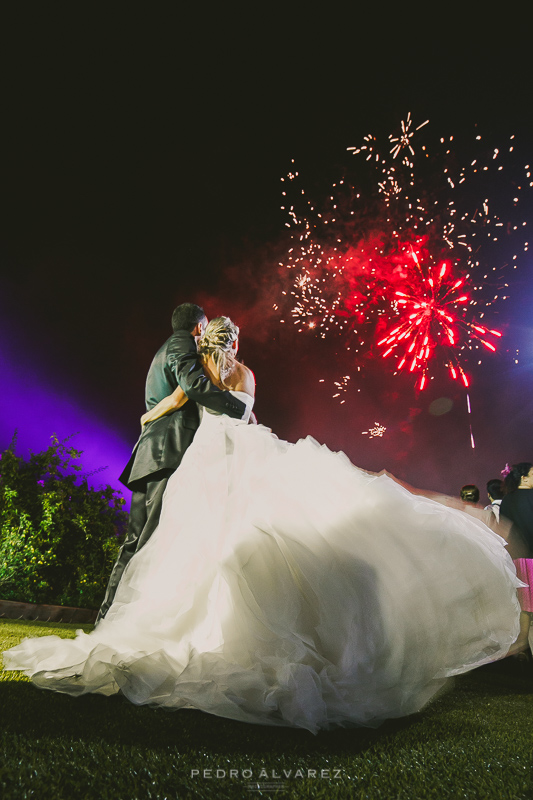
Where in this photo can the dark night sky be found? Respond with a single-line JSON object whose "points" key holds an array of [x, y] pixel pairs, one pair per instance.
{"points": [[142, 164]]}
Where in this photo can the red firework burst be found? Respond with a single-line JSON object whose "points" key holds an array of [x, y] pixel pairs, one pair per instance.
{"points": [[366, 261], [430, 318]]}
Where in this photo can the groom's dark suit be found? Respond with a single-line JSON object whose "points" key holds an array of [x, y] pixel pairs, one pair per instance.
{"points": [[163, 442]]}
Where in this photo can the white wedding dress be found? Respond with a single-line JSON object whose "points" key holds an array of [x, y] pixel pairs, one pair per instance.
{"points": [[284, 586]]}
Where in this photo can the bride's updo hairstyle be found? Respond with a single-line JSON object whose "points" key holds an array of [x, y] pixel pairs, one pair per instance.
{"points": [[514, 477], [217, 341]]}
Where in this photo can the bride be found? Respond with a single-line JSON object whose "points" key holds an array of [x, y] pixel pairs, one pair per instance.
{"points": [[285, 586]]}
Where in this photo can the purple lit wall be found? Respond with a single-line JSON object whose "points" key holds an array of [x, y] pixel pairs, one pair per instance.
{"points": [[36, 409]]}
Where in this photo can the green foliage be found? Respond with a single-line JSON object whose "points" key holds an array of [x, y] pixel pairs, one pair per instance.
{"points": [[59, 538]]}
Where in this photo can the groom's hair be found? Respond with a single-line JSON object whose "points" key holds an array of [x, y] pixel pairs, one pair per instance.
{"points": [[186, 317]]}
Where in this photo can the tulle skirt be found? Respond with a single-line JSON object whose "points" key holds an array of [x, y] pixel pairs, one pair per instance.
{"points": [[284, 586]]}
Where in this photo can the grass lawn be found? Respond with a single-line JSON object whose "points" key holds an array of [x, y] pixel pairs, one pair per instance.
{"points": [[474, 741]]}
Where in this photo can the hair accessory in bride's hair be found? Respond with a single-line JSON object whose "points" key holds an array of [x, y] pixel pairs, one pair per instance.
{"points": [[505, 472]]}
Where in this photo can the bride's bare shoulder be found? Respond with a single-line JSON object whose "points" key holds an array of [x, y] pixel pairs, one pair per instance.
{"points": [[245, 379]]}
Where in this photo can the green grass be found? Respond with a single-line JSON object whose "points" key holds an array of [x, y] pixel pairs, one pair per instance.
{"points": [[474, 741]]}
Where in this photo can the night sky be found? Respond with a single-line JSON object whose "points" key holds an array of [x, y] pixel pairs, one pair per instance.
{"points": [[142, 160]]}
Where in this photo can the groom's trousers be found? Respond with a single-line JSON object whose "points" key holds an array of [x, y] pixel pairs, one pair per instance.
{"points": [[143, 519]]}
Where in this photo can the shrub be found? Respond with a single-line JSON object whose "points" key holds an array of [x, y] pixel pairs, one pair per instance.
{"points": [[59, 538]]}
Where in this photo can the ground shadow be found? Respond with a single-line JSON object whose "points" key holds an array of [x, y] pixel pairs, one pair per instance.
{"points": [[35, 714]]}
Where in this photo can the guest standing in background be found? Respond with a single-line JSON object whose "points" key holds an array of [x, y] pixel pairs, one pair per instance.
{"points": [[495, 494], [517, 506], [470, 493]]}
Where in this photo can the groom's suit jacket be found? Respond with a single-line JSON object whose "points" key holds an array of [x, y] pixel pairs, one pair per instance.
{"points": [[163, 442]]}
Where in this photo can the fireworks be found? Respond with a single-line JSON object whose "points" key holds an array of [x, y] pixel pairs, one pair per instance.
{"points": [[402, 269], [429, 318], [404, 139], [341, 387], [377, 431]]}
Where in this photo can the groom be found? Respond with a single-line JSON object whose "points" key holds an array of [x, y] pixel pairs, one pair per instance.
{"points": [[163, 442]]}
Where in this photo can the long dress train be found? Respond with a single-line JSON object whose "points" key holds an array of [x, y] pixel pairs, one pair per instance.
{"points": [[285, 586]]}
